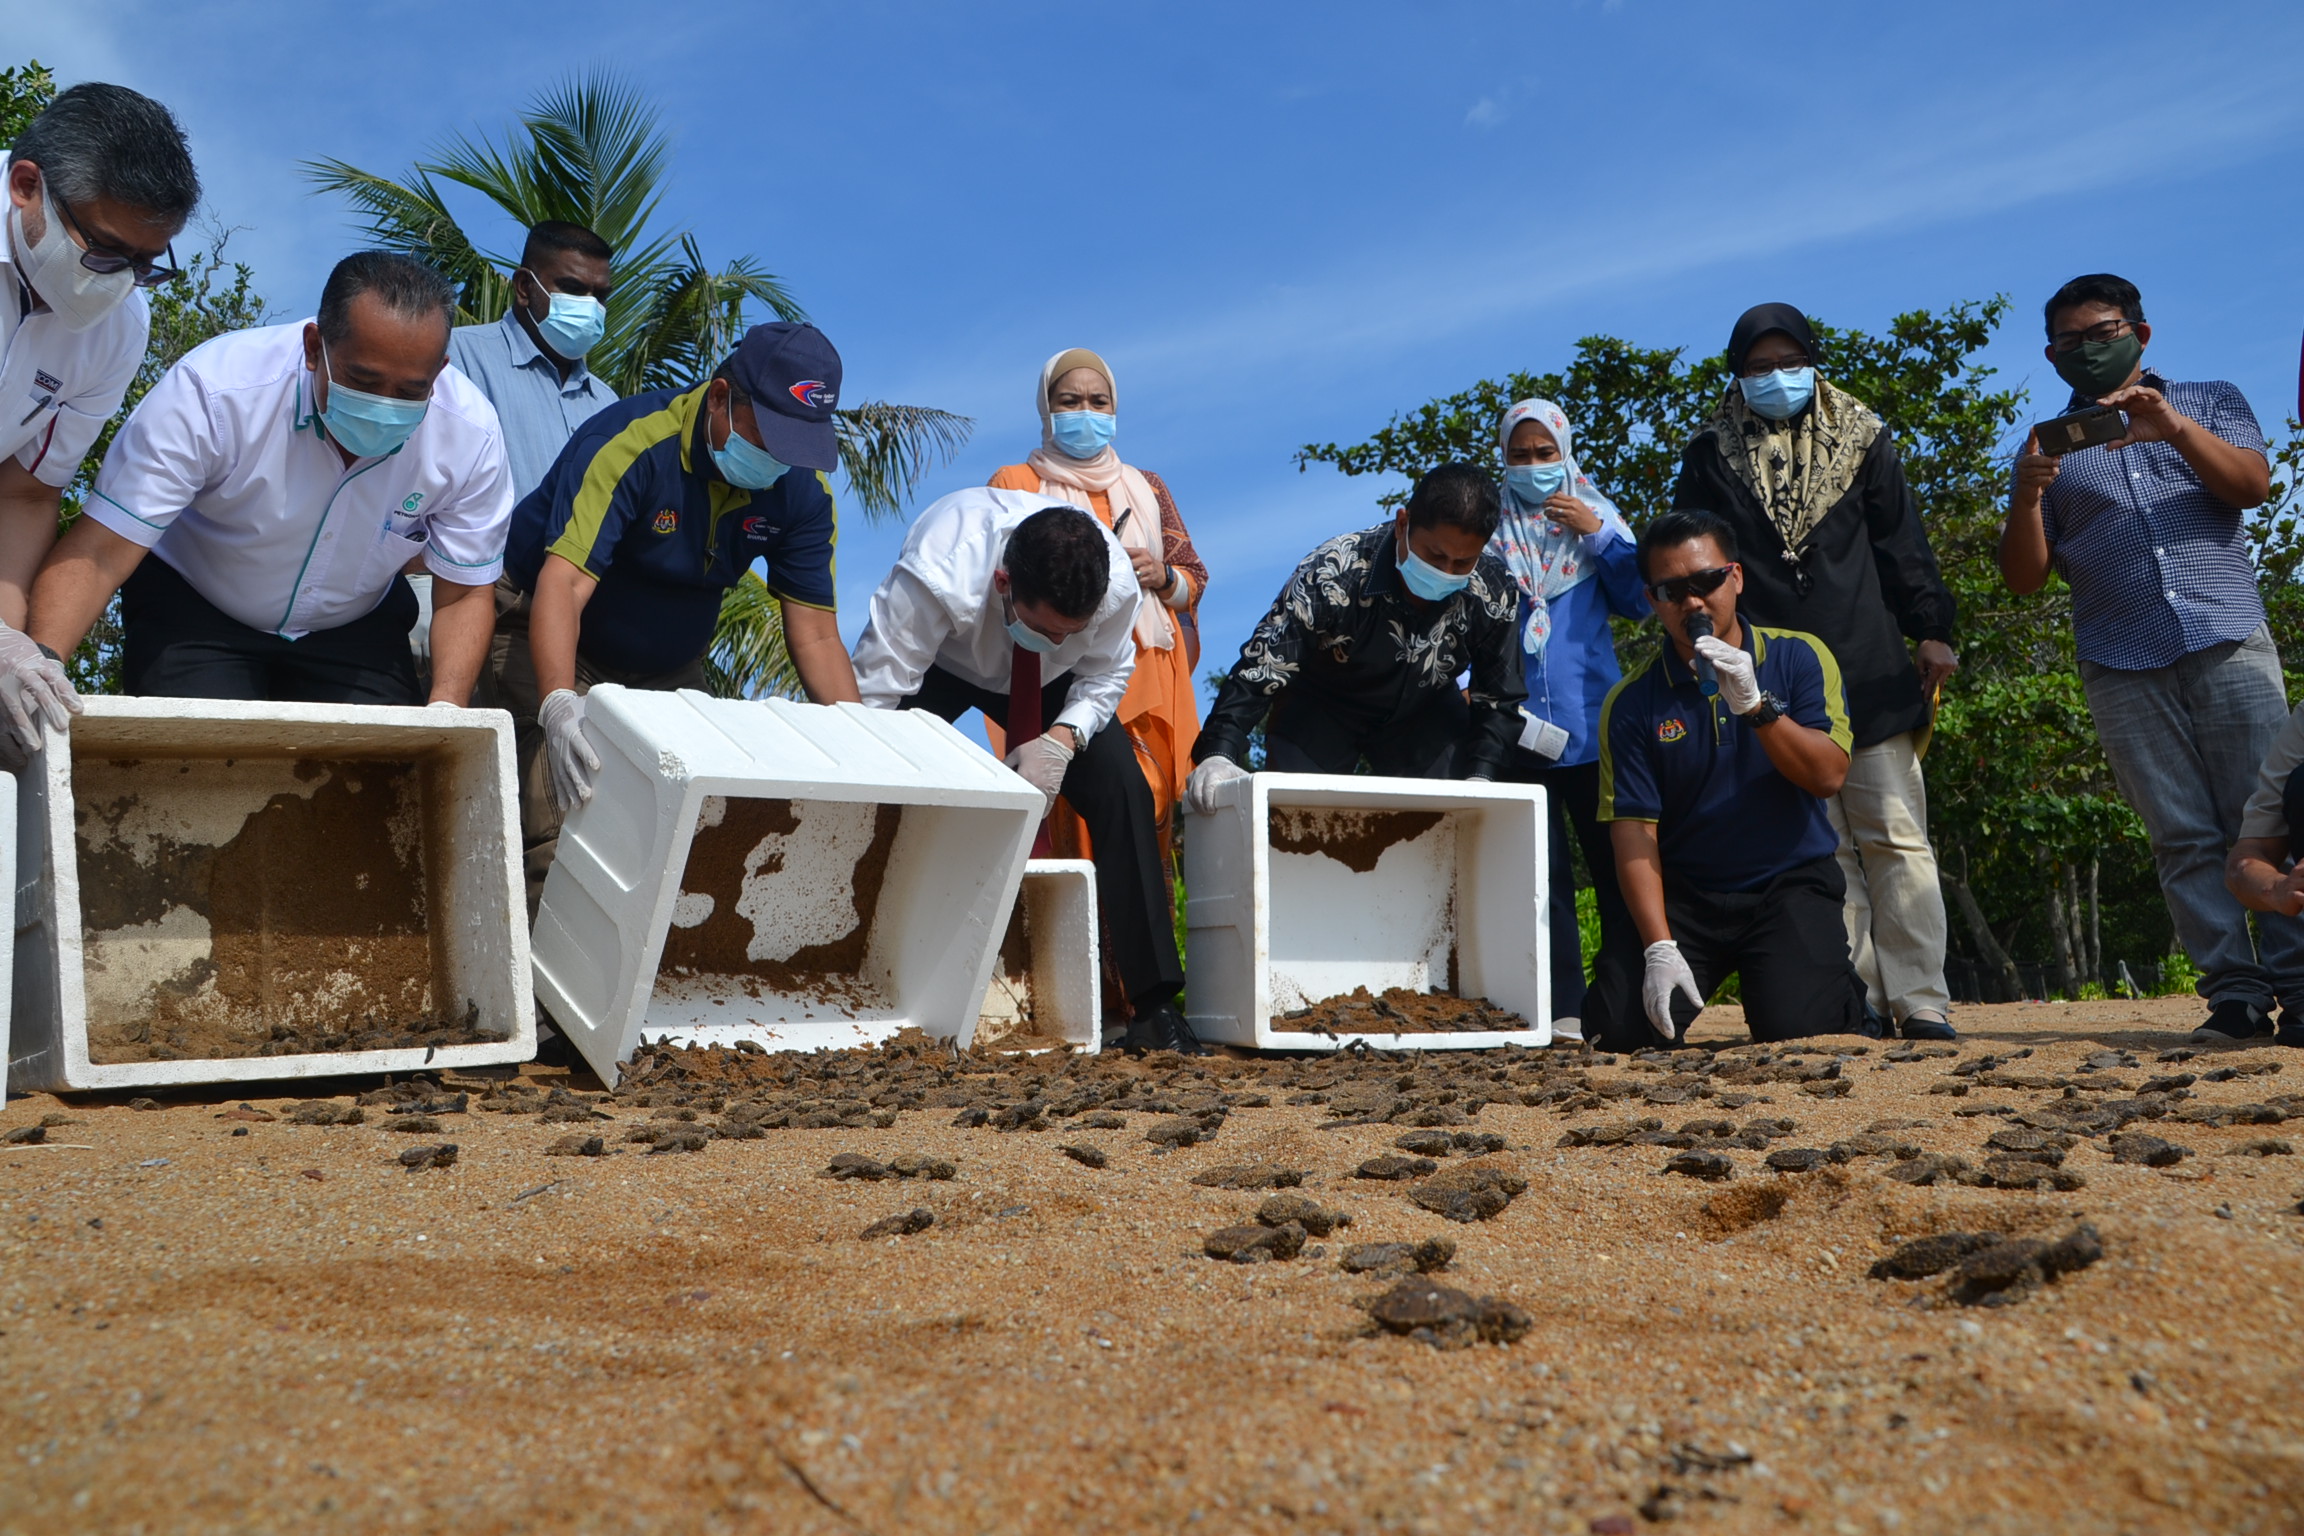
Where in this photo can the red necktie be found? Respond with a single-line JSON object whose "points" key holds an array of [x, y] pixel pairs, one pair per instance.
{"points": [[1024, 717]]}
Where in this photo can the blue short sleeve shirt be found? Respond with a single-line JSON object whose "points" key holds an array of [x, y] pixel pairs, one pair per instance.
{"points": [[1726, 820]]}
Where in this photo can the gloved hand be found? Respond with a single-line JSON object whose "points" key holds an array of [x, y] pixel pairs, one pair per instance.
{"points": [[569, 756], [1667, 974], [1738, 685], [1042, 763], [420, 637], [34, 691], [1212, 773]]}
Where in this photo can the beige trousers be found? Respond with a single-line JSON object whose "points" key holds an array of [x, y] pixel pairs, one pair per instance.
{"points": [[1895, 908]]}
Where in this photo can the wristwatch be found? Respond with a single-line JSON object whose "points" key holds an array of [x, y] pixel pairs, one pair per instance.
{"points": [[1768, 711]]}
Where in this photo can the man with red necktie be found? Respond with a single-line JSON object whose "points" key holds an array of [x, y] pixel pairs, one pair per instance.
{"points": [[1018, 605]]}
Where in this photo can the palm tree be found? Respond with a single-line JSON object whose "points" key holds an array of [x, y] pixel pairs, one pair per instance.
{"points": [[592, 151]]}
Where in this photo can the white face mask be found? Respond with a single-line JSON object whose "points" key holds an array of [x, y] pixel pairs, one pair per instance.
{"points": [[52, 269]]}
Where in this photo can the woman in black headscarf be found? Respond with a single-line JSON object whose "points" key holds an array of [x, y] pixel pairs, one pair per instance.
{"points": [[1813, 485]]}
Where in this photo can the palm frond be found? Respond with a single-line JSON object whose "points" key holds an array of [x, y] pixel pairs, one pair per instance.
{"points": [[886, 450], [410, 217], [748, 658]]}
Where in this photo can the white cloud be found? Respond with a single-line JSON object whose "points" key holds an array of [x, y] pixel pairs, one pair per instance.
{"points": [[1487, 112]]}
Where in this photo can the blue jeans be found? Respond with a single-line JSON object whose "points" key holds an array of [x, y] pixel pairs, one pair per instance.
{"points": [[2185, 742]]}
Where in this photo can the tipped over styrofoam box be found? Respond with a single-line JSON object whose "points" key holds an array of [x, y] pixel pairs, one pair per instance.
{"points": [[802, 876], [1048, 989], [1303, 887], [216, 891]]}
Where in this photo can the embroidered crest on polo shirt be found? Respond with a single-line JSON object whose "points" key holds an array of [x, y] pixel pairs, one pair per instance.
{"points": [[415, 500], [1671, 730], [668, 521], [758, 528], [47, 380]]}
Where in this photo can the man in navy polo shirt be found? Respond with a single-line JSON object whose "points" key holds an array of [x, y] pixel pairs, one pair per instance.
{"points": [[1715, 801], [617, 563]]}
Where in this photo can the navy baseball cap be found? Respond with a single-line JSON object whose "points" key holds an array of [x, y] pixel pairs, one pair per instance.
{"points": [[793, 376]]}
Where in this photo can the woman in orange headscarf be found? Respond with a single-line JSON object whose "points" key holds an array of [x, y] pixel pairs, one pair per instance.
{"points": [[1075, 461]]}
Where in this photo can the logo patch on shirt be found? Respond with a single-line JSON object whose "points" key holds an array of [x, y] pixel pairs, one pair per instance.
{"points": [[415, 500], [1671, 730], [47, 380], [814, 392], [757, 528], [668, 521]]}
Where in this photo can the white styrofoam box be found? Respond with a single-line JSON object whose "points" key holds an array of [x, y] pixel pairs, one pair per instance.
{"points": [[1049, 984], [209, 868], [1393, 883], [798, 875]]}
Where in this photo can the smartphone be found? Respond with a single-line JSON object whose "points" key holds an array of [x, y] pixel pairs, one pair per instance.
{"points": [[2084, 428]]}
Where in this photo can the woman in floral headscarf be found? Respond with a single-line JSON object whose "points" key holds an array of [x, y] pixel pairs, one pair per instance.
{"points": [[1573, 558], [1160, 712]]}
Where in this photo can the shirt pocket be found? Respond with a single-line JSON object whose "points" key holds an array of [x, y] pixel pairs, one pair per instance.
{"points": [[390, 551]]}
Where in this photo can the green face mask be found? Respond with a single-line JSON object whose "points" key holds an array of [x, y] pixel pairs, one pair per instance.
{"points": [[2096, 368]]}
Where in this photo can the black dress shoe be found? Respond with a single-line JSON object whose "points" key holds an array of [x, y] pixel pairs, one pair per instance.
{"points": [[1162, 1029]]}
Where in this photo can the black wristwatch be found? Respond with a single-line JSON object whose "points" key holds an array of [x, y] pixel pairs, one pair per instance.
{"points": [[1768, 711]]}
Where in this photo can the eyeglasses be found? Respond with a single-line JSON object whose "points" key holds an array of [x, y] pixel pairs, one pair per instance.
{"points": [[1762, 370], [2069, 341], [1678, 589], [98, 258]]}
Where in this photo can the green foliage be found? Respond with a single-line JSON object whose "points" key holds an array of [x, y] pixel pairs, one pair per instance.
{"points": [[2018, 785], [593, 151], [24, 94], [748, 658]]}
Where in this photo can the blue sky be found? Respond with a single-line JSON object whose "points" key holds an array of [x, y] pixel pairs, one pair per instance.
{"points": [[1284, 222]]}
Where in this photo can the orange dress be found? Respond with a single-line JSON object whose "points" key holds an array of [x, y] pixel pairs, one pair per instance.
{"points": [[1161, 709]]}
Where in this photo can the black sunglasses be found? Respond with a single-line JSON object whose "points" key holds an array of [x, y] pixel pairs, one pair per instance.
{"points": [[1678, 589], [149, 274]]}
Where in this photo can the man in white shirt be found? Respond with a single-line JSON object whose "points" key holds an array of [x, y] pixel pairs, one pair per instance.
{"points": [[98, 185], [1015, 604], [285, 476]]}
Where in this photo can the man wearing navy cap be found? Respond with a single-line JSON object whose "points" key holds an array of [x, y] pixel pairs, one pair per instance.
{"points": [[617, 562]]}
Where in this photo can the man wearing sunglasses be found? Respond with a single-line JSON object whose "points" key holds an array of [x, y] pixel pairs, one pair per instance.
{"points": [[2183, 680], [98, 185], [1714, 789]]}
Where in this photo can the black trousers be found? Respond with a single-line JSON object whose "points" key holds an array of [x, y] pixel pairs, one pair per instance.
{"points": [[1105, 785], [1787, 942], [1574, 796], [179, 645], [1304, 736]]}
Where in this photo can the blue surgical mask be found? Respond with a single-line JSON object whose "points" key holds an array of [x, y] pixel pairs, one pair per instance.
{"points": [[574, 324], [1426, 580], [745, 466], [1028, 637], [1781, 395], [1532, 483], [364, 425], [1083, 434]]}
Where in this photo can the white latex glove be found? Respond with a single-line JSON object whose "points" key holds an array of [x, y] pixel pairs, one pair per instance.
{"points": [[1738, 685], [1211, 774], [420, 638], [34, 691], [1042, 763], [569, 755], [1667, 974]]}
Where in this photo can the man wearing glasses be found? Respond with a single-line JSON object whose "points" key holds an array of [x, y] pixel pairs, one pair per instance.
{"points": [[1810, 480], [2182, 677], [98, 185], [1716, 758]]}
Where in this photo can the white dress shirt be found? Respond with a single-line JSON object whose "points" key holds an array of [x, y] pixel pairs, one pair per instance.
{"points": [[59, 386], [938, 608], [223, 472]]}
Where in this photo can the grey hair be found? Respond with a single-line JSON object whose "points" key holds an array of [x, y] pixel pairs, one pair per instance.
{"points": [[107, 141], [402, 284]]}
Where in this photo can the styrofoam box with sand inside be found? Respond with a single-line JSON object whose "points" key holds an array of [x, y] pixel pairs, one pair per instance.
{"points": [[227, 891], [1047, 992], [1301, 888], [801, 876]]}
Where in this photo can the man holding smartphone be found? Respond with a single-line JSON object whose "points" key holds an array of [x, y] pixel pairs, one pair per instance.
{"points": [[2182, 677]]}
